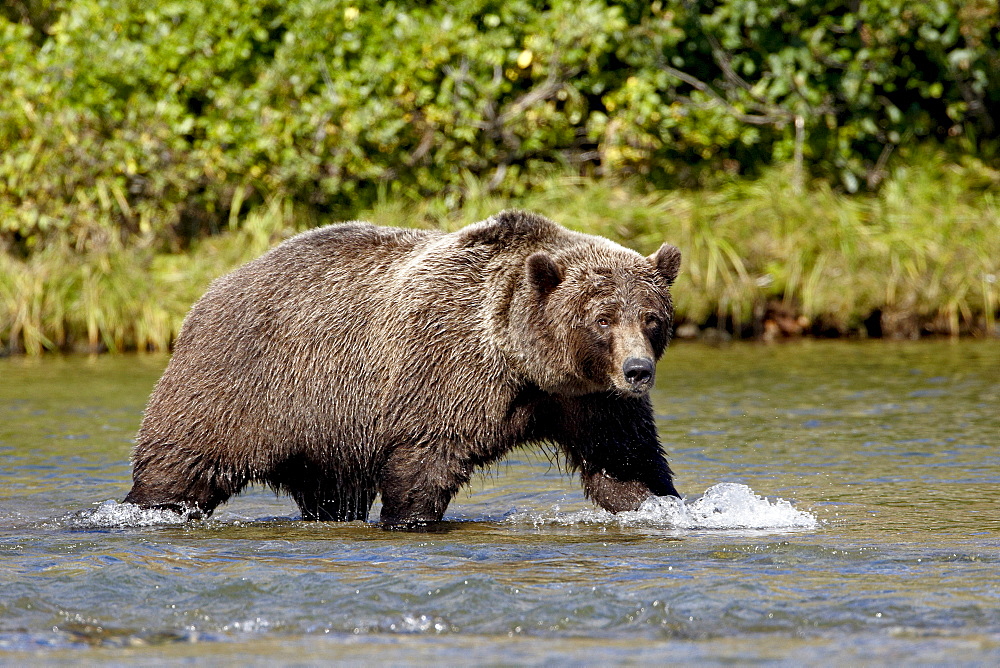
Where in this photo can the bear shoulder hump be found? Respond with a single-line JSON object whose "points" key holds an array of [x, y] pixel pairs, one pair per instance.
{"points": [[510, 227]]}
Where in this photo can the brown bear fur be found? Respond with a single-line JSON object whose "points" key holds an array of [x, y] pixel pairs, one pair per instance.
{"points": [[356, 360]]}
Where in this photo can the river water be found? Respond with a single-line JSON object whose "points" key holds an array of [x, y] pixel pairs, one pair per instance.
{"points": [[841, 507]]}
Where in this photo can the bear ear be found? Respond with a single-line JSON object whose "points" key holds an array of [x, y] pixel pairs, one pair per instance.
{"points": [[543, 273], [667, 261]]}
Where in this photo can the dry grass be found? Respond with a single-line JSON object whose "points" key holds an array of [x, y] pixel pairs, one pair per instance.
{"points": [[921, 257]]}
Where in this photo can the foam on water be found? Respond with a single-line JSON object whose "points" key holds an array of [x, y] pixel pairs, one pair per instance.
{"points": [[111, 514], [723, 506]]}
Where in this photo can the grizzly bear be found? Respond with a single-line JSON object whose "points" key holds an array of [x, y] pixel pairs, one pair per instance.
{"points": [[355, 360]]}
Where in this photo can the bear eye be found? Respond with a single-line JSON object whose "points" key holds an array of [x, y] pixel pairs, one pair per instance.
{"points": [[652, 320], [603, 322]]}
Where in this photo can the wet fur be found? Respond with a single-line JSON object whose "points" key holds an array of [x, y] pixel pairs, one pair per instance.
{"points": [[356, 360]]}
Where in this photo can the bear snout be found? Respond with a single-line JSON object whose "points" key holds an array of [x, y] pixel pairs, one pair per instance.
{"points": [[639, 372]]}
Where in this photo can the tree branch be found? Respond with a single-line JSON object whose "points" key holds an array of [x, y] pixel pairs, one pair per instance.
{"points": [[752, 119]]}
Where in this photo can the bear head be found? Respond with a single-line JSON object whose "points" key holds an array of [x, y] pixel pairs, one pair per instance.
{"points": [[601, 316]]}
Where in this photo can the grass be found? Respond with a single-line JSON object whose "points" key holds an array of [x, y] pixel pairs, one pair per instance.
{"points": [[923, 256]]}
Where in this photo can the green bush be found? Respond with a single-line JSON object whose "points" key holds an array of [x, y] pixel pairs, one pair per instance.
{"points": [[921, 256], [155, 123]]}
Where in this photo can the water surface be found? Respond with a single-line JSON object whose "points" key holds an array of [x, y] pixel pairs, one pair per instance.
{"points": [[841, 508]]}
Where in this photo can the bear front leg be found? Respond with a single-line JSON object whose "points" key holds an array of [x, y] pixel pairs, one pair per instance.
{"points": [[613, 494], [417, 484], [612, 440]]}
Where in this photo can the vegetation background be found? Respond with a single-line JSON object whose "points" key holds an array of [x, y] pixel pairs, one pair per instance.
{"points": [[827, 167]]}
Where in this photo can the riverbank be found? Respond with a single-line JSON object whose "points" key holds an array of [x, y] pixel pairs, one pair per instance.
{"points": [[922, 257]]}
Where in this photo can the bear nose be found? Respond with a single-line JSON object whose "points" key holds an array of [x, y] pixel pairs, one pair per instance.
{"points": [[638, 370]]}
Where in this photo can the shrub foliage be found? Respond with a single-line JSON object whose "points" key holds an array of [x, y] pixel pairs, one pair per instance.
{"points": [[158, 122]]}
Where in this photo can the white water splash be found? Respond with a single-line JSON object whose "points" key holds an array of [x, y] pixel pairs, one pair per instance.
{"points": [[726, 506], [111, 514]]}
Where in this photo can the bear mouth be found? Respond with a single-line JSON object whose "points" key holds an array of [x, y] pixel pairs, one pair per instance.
{"points": [[632, 389]]}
